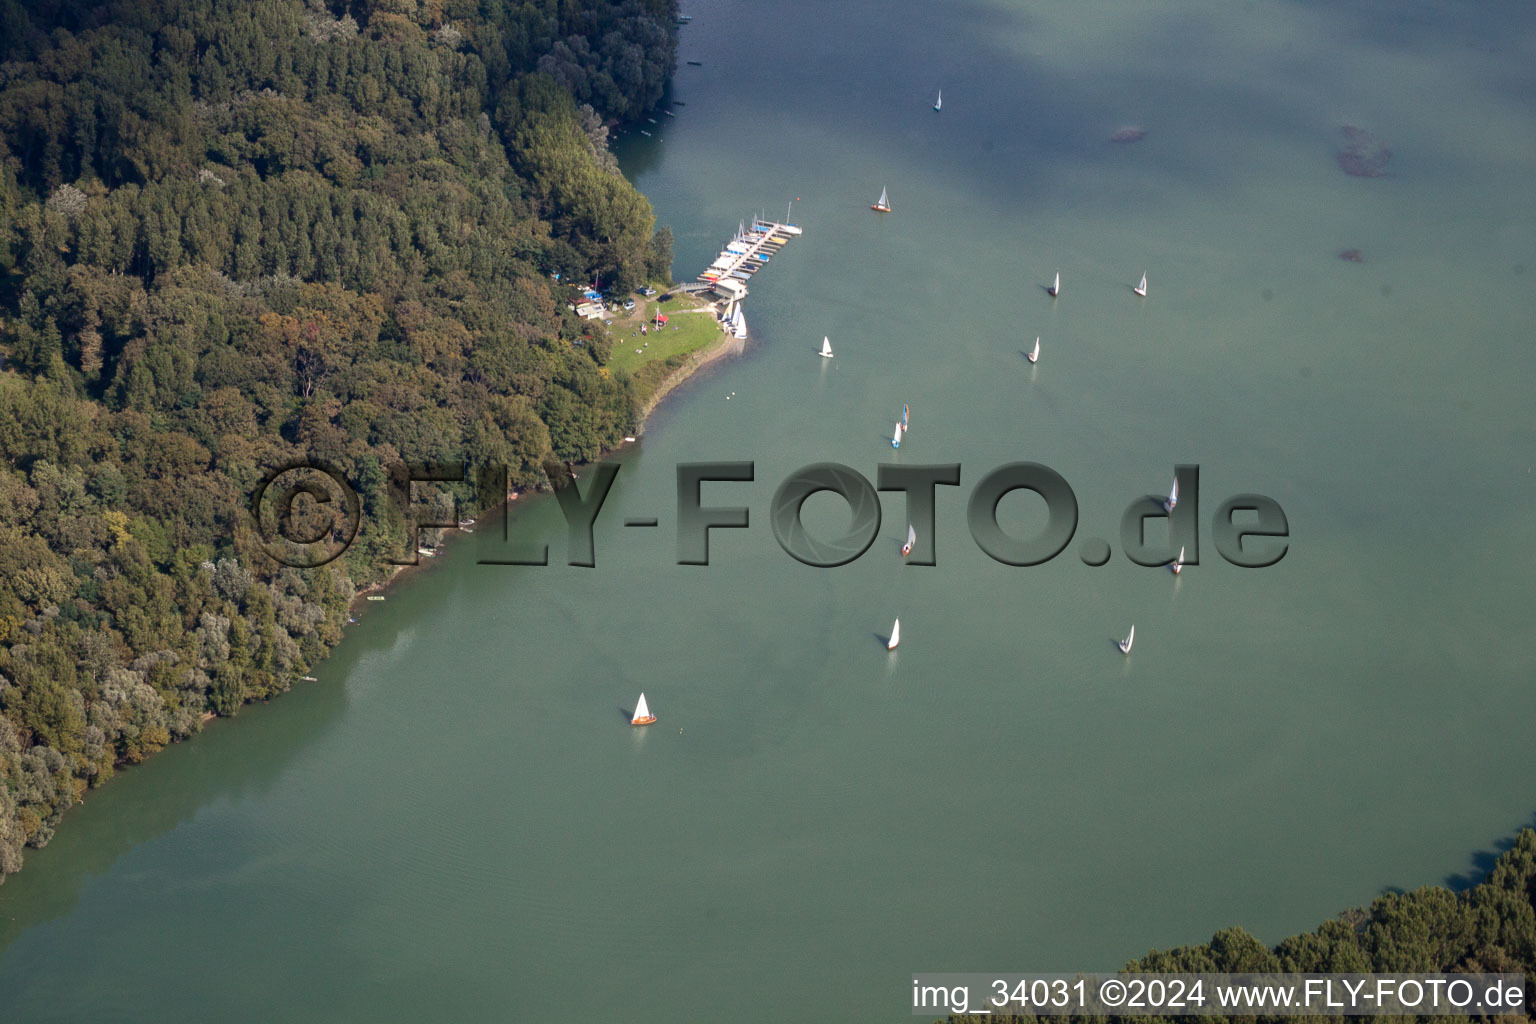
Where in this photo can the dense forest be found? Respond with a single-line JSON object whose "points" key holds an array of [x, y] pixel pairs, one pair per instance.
{"points": [[234, 236], [1489, 928]]}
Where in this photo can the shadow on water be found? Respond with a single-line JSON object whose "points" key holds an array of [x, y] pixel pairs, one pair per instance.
{"points": [[232, 759], [1484, 860], [628, 713]]}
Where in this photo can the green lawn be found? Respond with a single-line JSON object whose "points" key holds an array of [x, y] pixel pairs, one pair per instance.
{"points": [[684, 334]]}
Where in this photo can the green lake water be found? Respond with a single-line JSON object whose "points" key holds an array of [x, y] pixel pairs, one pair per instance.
{"points": [[456, 822]]}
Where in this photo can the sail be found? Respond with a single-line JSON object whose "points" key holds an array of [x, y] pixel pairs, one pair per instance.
{"points": [[895, 639], [896, 437], [905, 415], [1125, 645], [642, 713], [938, 104], [826, 346], [1035, 352], [1173, 495], [906, 549], [1141, 289]]}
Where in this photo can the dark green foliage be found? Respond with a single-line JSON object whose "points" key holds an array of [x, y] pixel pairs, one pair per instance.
{"points": [[1490, 928], [236, 236]]}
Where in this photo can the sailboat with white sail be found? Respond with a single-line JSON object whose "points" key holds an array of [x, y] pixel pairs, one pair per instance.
{"points": [[938, 104], [1034, 354], [1125, 645], [739, 322], [906, 549], [883, 205], [895, 639], [643, 714], [826, 347], [1173, 497], [1141, 289], [896, 437], [1178, 563], [1055, 288]]}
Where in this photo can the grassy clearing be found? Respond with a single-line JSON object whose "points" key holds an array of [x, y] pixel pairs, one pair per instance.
{"points": [[660, 352]]}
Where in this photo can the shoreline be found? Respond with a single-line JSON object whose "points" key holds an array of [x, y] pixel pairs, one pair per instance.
{"points": [[698, 359]]}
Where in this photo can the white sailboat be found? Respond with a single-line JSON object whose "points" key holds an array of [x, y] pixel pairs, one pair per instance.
{"points": [[826, 347], [643, 714], [896, 437], [906, 549], [1055, 288], [1178, 563], [884, 205], [1125, 645], [1141, 289], [739, 323], [1173, 496], [895, 639], [938, 104], [1034, 355]]}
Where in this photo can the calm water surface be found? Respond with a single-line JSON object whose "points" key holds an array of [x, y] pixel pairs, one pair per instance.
{"points": [[457, 823]]}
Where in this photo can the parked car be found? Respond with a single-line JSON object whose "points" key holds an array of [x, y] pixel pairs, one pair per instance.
{"points": [[629, 304]]}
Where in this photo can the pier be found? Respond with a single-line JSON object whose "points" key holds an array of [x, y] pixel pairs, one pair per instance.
{"points": [[744, 256]]}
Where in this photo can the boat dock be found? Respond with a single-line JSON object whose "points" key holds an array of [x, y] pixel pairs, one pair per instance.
{"points": [[745, 255]]}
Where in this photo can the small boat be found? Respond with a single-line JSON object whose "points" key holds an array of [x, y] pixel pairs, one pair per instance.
{"points": [[739, 323], [466, 522], [375, 597], [905, 417], [938, 104], [679, 103], [896, 437], [644, 132], [906, 549], [1034, 355], [697, 63], [895, 639], [669, 113], [466, 529], [1125, 645], [643, 714], [884, 204], [1141, 289], [826, 347], [309, 679], [651, 119], [1178, 563], [427, 552], [683, 19], [1173, 496], [629, 439], [1055, 288]]}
